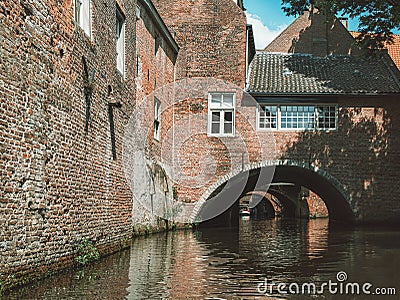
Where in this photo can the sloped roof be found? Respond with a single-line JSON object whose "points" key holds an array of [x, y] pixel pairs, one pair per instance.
{"points": [[393, 49], [284, 41], [299, 74]]}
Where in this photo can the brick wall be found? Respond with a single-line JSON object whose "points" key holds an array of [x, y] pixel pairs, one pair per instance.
{"points": [[155, 69], [311, 33], [361, 154], [212, 37], [212, 40], [59, 181], [317, 206]]}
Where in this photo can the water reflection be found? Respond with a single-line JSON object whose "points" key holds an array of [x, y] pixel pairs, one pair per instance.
{"points": [[228, 264]]}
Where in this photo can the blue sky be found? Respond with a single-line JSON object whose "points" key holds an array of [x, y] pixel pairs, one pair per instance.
{"points": [[269, 20]]}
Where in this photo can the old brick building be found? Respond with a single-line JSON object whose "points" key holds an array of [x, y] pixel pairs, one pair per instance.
{"points": [[212, 36], [392, 48], [156, 54], [319, 94], [213, 52], [104, 103], [67, 89], [72, 73]]}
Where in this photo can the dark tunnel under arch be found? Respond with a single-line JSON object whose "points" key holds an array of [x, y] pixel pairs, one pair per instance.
{"points": [[328, 189]]}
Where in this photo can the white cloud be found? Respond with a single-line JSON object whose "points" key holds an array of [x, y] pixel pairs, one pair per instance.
{"points": [[262, 34]]}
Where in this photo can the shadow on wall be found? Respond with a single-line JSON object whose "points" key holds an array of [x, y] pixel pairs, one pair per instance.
{"points": [[362, 154], [324, 38]]}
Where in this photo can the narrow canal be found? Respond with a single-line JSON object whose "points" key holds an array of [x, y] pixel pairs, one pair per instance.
{"points": [[238, 264]]}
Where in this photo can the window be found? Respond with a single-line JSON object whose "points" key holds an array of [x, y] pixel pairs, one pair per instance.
{"points": [[267, 117], [120, 41], [326, 117], [83, 15], [157, 118], [221, 117], [299, 117]]}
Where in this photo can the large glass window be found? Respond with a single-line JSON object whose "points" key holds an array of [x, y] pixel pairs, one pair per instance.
{"points": [[298, 117], [83, 15], [221, 120], [326, 117]]}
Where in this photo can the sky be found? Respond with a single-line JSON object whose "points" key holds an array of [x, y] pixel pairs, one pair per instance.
{"points": [[269, 20]]}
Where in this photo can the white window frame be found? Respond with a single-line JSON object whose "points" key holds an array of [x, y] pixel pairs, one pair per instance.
{"points": [[222, 108], [259, 107], [83, 15], [298, 128], [279, 117], [157, 119], [120, 40]]}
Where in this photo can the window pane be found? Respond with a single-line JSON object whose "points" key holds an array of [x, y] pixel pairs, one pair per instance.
{"points": [[228, 100], [215, 128], [267, 116], [157, 105], [216, 99], [157, 130], [216, 116], [120, 33], [78, 7], [228, 116], [221, 121], [297, 117], [228, 128]]}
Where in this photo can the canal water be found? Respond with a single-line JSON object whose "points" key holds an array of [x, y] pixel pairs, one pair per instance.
{"points": [[248, 263]]}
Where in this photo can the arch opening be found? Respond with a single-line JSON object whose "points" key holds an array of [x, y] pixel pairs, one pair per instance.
{"points": [[291, 189]]}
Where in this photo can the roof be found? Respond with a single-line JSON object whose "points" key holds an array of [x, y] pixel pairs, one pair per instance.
{"points": [[300, 74], [251, 43], [393, 48], [284, 41]]}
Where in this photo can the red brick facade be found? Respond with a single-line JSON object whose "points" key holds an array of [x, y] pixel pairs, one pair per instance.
{"points": [[212, 37], [317, 207], [61, 174], [155, 65], [62, 133], [155, 58]]}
